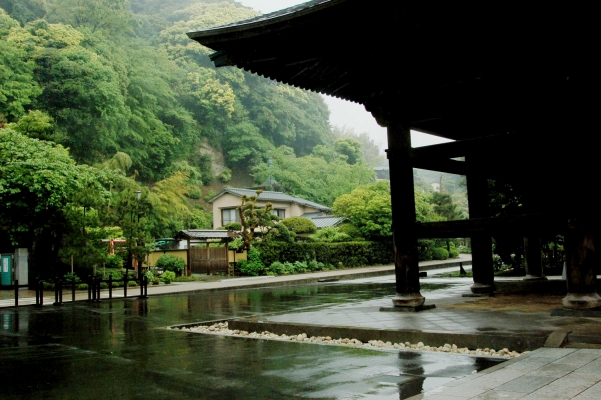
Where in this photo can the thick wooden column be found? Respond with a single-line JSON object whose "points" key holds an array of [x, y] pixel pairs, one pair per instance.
{"points": [[534, 261], [477, 197], [403, 217], [581, 263]]}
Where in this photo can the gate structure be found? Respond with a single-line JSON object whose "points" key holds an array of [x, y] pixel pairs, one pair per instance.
{"points": [[208, 260]]}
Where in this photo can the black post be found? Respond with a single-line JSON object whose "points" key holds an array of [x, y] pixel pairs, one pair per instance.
{"points": [[16, 292], [41, 290], [73, 289], [125, 285], [110, 286], [98, 289], [60, 292], [90, 287], [56, 288], [37, 291], [145, 286]]}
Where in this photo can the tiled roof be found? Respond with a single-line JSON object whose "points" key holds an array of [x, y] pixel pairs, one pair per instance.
{"points": [[327, 221], [267, 195], [204, 234]]}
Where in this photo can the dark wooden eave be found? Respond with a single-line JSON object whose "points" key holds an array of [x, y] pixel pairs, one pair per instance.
{"points": [[456, 70]]}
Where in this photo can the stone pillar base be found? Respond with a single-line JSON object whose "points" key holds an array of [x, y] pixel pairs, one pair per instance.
{"points": [[532, 277], [408, 300], [482, 288], [582, 301]]}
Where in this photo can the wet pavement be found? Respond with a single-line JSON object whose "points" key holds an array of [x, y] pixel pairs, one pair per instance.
{"points": [[119, 349]]}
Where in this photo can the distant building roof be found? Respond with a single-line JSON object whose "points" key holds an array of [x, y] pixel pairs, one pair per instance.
{"points": [[267, 195], [326, 221], [199, 234]]}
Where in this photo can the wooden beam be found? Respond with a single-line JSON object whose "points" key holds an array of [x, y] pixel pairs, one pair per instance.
{"points": [[461, 148], [518, 224], [448, 166]]}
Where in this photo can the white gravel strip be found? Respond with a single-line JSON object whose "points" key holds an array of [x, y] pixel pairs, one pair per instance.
{"points": [[222, 329]]}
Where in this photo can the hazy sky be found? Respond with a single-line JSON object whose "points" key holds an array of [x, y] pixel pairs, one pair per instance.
{"points": [[344, 113]]}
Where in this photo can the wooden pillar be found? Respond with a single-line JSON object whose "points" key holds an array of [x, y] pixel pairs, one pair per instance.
{"points": [[581, 263], [403, 217], [477, 197], [534, 261]]}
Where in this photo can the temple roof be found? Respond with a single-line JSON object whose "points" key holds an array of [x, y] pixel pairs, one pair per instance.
{"points": [[449, 68]]}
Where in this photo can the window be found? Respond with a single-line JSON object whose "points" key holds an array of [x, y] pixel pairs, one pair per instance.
{"points": [[280, 212], [229, 215]]}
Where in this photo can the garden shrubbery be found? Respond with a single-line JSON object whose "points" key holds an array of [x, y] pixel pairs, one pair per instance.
{"points": [[169, 262]]}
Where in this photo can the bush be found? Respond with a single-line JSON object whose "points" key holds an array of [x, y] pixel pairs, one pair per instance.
{"points": [[331, 235], [132, 283], [114, 261], [68, 278], [454, 253], [233, 226], [254, 265], [225, 175], [300, 267], [104, 285], [464, 250], [184, 279], [424, 249], [194, 193], [168, 277], [351, 230], [439, 253], [299, 225], [348, 254], [168, 262], [48, 285], [82, 286]]}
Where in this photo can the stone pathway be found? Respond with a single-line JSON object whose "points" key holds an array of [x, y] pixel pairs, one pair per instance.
{"points": [[544, 374]]}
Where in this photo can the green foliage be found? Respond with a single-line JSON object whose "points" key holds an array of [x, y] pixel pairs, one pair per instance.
{"points": [[351, 230], [348, 254], [313, 177], [70, 276], [254, 265], [299, 225], [298, 267], [132, 283], [454, 253], [330, 234], [194, 193], [439, 253], [114, 261], [225, 175], [82, 286], [424, 249], [184, 279], [351, 149], [253, 218], [233, 226], [169, 262]]}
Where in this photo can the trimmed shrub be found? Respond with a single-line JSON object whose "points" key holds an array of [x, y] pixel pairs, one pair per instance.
{"points": [[454, 253], [82, 286], [132, 283], [299, 225], [168, 277], [169, 262], [233, 226], [439, 253], [184, 279], [348, 254], [254, 265], [104, 285]]}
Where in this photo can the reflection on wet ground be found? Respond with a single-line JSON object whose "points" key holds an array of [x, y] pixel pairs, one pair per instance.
{"points": [[119, 349]]}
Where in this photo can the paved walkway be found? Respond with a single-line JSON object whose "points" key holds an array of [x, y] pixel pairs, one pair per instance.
{"points": [[27, 297], [544, 374]]}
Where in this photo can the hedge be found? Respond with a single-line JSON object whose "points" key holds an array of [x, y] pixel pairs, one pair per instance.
{"points": [[348, 254]]}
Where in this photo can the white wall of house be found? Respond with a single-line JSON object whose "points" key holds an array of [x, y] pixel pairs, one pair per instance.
{"points": [[229, 201]]}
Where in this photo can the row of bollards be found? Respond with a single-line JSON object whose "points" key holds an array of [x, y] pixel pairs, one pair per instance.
{"points": [[93, 289]]}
